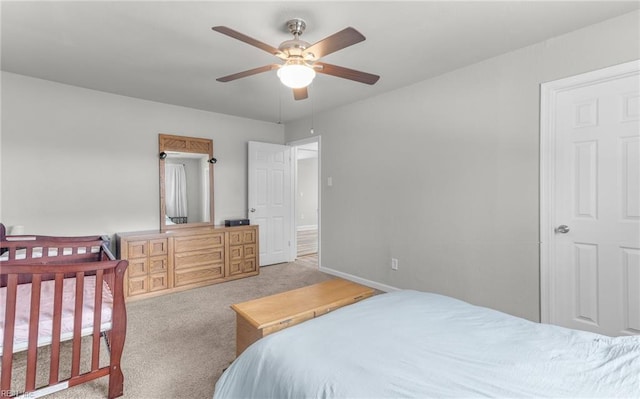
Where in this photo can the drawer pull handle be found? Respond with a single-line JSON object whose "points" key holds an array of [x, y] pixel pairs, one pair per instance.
{"points": [[286, 321], [358, 297]]}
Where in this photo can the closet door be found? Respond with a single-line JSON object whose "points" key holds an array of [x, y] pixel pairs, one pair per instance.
{"points": [[593, 232]]}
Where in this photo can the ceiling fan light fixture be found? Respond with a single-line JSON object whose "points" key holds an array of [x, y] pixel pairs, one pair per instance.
{"points": [[296, 74]]}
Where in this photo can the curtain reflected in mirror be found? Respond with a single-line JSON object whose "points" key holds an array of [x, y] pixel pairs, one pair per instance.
{"points": [[176, 193], [186, 179]]}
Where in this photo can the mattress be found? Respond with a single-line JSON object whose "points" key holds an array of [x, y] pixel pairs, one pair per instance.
{"points": [[23, 305], [36, 252], [411, 344]]}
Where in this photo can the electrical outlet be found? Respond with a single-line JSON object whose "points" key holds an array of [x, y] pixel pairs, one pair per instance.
{"points": [[394, 264]]}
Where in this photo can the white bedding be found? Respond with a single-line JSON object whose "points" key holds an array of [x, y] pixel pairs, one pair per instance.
{"points": [[410, 344], [21, 330]]}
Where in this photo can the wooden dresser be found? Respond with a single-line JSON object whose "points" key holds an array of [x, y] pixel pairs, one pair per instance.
{"points": [[263, 316], [161, 263]]}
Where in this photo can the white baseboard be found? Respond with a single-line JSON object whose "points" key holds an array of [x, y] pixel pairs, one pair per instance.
{"points": [[359, 280], [307, 227]]}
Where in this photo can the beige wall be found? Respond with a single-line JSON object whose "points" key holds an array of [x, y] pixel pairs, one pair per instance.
{"points": [[443, 175], [78, 161]]}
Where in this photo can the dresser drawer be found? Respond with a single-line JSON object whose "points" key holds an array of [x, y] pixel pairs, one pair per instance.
{"points": [[236, 252], [186, 260], [137, 285], [242, 266], [137, 249], [138, 267], [158, 282], [249, 265], [158, 247], [242, 237], [250, 251], [143, 248], [199, 274], [158, 264], [186, 244]]}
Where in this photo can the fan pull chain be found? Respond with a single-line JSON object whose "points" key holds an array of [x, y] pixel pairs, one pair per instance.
{"points": [[311, 130], [279, 107]]}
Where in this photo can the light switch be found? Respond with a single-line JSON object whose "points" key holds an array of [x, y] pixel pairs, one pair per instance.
{"points": [[329, 181]]}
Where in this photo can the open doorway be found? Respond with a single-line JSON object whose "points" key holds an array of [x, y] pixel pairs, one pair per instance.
{"points": [[307, 201]]}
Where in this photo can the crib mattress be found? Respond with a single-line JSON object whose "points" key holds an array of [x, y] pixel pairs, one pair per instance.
{"points": [[45, 328], [36, 252]]}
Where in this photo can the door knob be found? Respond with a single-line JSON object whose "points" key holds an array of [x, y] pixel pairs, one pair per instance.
{"points": [[563, 229], [252, 210]]}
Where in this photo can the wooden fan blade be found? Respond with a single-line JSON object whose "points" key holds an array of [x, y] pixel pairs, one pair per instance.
{"points": [[345, 38], [249, 72], [249, 40], [345, 73], [300, 94]]}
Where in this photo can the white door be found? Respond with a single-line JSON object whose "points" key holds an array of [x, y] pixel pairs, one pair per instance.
{"points": [[269, 195], [592, 274]]}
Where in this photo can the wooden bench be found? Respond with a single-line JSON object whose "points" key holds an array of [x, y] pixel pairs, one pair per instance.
{"points": [[263, 316]]}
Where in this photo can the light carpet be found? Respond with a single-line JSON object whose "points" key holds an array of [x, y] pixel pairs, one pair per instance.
{"points": [[177, 345]]}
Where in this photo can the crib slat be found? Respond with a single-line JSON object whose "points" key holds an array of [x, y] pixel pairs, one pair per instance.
{"points": [[34, 318], [97, 320], [77, 325], [56, 330], [9, 325]]}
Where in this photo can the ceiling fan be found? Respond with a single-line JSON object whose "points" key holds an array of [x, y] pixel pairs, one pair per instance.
{"points": [[301, 58]]}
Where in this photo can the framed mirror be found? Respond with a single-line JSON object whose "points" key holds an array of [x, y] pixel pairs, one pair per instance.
{"points": [[186, 182]]}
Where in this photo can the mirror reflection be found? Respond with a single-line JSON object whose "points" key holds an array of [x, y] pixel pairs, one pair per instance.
{"points": [[186, 188]]}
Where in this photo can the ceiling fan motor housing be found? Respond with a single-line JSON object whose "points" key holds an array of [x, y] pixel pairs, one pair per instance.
{"points": [[296, 26], [295, 47]]}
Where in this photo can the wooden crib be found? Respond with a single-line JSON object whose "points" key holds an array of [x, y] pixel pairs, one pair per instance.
{"points": [[49, 290]]}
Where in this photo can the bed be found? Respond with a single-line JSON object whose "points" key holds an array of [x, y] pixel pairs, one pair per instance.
{"points": [[410, 344], [50, 288]]}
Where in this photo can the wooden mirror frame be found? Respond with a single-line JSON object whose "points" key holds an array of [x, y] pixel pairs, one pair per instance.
{"points": [[194, 145]]}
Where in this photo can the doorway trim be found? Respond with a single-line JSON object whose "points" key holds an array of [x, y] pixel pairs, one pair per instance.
{"points": [[549, 92], [294, 176]]}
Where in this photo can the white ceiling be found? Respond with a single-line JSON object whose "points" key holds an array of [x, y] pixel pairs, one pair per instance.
{"points": [[166, 51]]}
